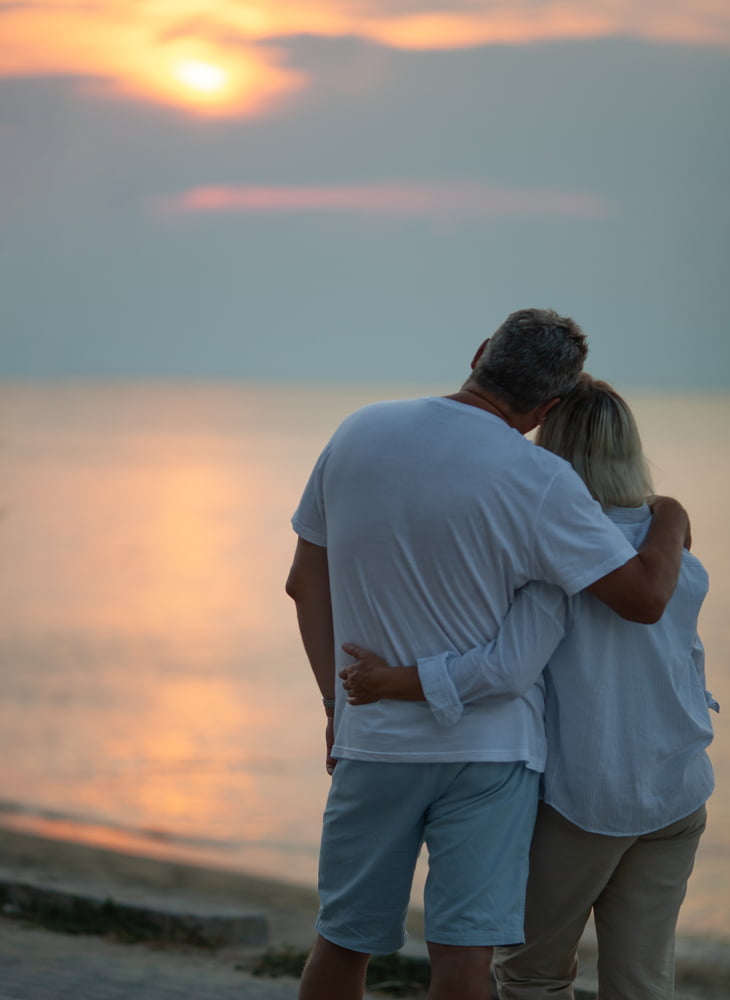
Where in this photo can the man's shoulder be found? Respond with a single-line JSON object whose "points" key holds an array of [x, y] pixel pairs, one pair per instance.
{"points": [[381, 407], [382, 412]]}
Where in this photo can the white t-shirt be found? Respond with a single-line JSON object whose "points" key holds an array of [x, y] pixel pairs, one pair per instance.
{"points": [[433, 514]]}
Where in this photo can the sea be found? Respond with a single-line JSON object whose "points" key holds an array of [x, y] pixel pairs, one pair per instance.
{"points": [[155, 698]]}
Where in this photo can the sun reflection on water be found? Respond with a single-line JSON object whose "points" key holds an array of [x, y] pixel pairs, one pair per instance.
{"points": [[155, 695]]}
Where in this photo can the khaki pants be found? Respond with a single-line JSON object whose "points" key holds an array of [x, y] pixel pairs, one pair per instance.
{"points": [[635, 886]]}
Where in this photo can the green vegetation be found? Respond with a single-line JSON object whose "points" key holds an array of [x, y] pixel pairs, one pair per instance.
{"points": [[79, 915]]}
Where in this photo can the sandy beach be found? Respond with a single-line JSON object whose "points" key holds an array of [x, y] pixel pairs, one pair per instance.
{"points": [[41, 964], [36, 962], [289, 909]]}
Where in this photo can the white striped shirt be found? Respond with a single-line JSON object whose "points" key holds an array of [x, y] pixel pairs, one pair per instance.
{"points": [[626, 710]]}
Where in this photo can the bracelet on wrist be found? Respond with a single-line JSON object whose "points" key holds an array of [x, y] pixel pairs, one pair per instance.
{"points": [[329, 705]]}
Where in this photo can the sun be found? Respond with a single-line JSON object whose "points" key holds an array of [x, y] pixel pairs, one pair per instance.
{"points": [[207, 82], [202, 77]]}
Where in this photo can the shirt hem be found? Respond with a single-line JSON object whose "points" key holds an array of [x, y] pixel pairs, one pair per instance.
{"points": [[598, 572], [532, 761], [641, 831]]}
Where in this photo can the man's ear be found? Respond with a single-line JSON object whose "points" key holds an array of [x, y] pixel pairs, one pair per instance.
{"points": [[542, 411], [479, 352]]}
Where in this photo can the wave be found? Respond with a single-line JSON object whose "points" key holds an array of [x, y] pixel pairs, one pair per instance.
{"points": [[11, 812]]}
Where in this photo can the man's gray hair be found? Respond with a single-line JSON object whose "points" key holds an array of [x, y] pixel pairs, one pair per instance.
{"points": [[533, 357]]}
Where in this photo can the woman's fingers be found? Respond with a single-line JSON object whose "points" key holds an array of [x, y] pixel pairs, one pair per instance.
{"points": [[358, 652], [357, 678]]}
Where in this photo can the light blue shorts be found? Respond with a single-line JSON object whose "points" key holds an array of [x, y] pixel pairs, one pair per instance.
{"points": [[476, 820]]}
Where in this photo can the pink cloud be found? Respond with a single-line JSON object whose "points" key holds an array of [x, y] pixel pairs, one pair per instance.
{"points": [[441, 201]]}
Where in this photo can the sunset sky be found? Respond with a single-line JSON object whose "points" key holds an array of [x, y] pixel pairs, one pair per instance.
{"points": [[361, 189]]}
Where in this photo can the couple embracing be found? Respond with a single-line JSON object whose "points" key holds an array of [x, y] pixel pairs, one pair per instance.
{"points": [[504, 635]]}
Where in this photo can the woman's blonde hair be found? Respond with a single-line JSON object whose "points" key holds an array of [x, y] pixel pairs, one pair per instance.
{"points": [[594, 429]]}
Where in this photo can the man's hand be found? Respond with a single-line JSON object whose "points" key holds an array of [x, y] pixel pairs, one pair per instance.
{"points": [[330, 761], [367, 679], [656, 503], [640, 590]]}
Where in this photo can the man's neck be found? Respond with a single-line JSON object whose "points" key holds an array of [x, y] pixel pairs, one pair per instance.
{"points": [[472, 394]]}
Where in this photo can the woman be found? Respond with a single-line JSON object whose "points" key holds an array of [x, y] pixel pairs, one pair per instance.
{"points": [[627, 726]]}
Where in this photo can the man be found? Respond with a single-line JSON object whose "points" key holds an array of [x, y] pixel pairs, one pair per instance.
{"points": [[421, 520]]}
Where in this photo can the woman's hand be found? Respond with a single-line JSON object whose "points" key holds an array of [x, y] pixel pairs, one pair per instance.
{"points": [[365, 680]]}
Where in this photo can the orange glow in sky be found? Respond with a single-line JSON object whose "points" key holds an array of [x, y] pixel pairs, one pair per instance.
{"points": [[205, 54]]}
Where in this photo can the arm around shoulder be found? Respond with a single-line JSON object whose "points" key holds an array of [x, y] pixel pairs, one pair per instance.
{"points": [[640, 590]]}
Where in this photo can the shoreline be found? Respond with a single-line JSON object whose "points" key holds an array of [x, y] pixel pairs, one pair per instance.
{"points": [[703, 962], [290, 908]]}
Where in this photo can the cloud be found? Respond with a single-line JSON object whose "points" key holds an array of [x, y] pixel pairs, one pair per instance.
{"points": [[140, 52], [138, 46], [430, 201]]}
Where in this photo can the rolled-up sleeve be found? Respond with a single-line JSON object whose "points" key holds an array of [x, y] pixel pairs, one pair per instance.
{"points": [[509, 665]]}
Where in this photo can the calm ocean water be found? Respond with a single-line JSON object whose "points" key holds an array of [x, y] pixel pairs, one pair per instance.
{"points": [[155, 697]]}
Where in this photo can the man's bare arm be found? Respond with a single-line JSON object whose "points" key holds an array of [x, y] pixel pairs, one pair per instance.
{"points": [[308, 584], [640, 590]]}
